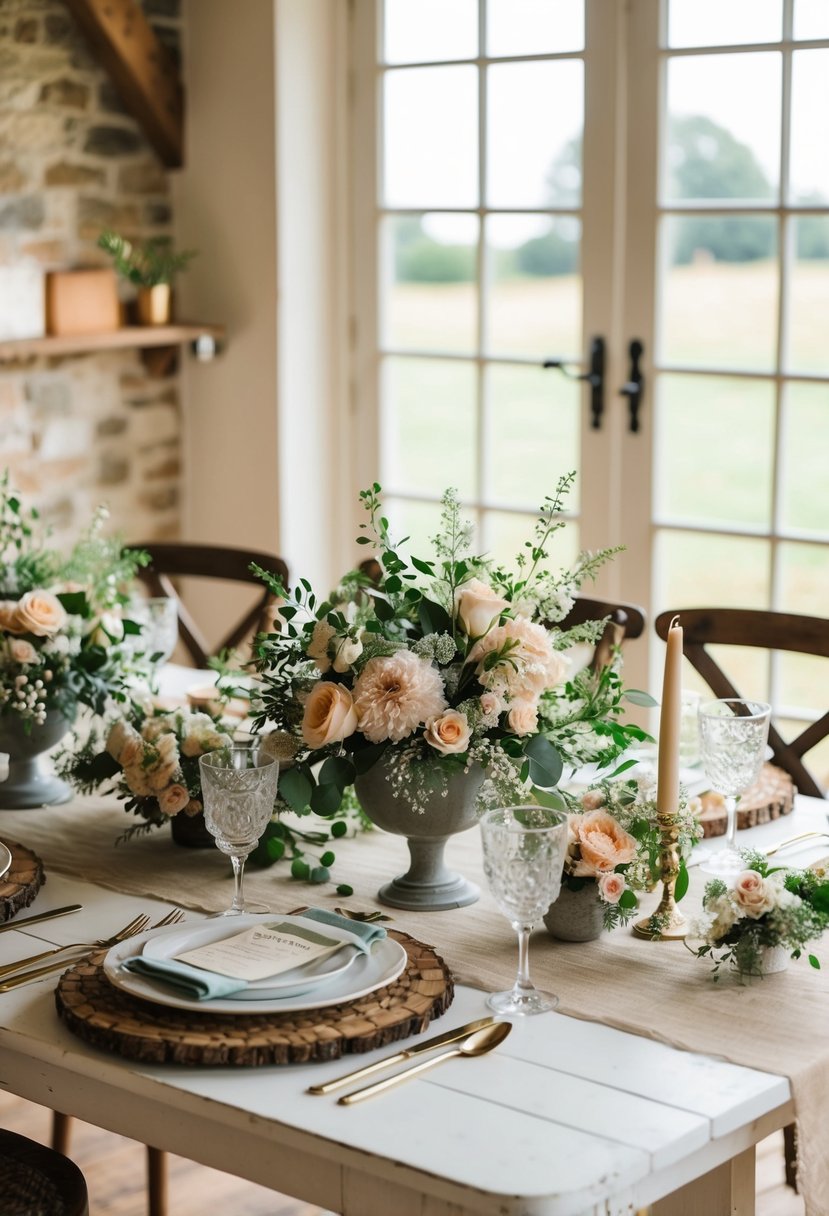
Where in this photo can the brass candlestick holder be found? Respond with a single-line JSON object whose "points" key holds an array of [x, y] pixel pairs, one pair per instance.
{"points": [[666, 924]]}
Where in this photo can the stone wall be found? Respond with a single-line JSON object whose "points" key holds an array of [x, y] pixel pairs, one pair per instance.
{"points": [[91, 428]]}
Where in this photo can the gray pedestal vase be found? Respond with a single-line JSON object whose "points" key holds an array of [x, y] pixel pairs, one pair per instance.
{"points": [[576, 916], [30, 782], [427, 886]]}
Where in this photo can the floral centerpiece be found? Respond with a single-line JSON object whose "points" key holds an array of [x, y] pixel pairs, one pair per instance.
{"points": [[428, 670], [613, 851], [763, 917], [63, 639]]}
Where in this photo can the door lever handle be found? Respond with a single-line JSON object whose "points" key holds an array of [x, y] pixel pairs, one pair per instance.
{"points": [[594, 377], [634, 386]]}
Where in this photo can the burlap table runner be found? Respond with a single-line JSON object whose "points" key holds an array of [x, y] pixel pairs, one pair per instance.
{"points": [[778, 1024]]}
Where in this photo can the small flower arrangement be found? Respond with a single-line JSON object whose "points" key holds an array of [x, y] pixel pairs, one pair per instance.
{"points": [[62, 628], [441, 664], [615, 842], [150, 759], [764, 906]]}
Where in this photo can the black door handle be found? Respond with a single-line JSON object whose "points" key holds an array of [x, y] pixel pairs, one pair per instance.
{"points": [[594, 377], [634, 386]]}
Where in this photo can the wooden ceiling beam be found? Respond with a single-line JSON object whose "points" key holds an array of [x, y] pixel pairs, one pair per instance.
{"points": [[141, 68]]}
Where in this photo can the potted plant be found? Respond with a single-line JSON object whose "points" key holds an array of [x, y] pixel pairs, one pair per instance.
{"points": [[151, 268]]}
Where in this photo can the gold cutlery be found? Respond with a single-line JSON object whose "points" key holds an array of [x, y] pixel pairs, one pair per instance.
{"points": [[440, 1040], [137, 925], [784, 844], [41, 916], [172, 918], [477, 1044]]}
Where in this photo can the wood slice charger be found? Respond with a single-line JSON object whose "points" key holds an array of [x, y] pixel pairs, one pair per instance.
{"points": [[21, 882], [771, 796], [139, 1030]]}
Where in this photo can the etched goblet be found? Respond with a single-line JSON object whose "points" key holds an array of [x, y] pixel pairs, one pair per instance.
{"points": [[524, 849], [238, 789], [732, 735]]}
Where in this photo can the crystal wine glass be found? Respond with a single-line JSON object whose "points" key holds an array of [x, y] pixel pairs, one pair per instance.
{"points": [[158, 618], [524, 849], [238, 789], [732, 735]]}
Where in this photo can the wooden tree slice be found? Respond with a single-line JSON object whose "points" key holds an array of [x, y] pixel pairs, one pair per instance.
{"points": [[771, 796], [111, 1019], [21, 882]]}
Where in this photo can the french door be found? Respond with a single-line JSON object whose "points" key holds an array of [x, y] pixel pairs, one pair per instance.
{"points": [[534, 175]]}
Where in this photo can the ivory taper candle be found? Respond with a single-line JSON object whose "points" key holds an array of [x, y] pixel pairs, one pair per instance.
{"points": [[667, 789]]}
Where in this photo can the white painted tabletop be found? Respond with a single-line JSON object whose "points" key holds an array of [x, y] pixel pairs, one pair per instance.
{"points": [[566, 1118]]}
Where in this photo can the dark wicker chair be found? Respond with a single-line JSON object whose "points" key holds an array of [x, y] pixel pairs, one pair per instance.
{"points": [[37, 1181]]}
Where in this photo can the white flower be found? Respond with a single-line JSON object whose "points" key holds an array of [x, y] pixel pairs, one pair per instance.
{"points": [[347, 651], [318, 646], [394, 695], [478, 607]]}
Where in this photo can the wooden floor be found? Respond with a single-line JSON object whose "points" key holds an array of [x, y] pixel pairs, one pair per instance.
{"points": [[114, 1171]]}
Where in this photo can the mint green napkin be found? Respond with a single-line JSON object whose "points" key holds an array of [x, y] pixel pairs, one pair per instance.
{"points": [[200, 985], [188, 981]]}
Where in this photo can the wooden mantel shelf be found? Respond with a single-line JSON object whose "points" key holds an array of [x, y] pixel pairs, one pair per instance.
{"points": [[129, 336]]}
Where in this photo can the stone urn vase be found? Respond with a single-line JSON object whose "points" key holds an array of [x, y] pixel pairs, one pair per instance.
{"points": [[447, 808], [30, 782], [190, 831], [576, 916]]}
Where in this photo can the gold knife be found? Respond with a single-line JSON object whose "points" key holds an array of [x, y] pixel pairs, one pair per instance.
{"points": [[34, 920], [448, 1036]]}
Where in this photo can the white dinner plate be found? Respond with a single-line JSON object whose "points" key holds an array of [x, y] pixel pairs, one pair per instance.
{"points": [[367, 973], [5, 860], [179, 938]]}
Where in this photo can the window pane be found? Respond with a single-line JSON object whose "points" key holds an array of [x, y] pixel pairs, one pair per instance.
{"points": [[431, 137], [429, 426], [419, 521], [532, 434], [429, 275], [811, 19], [416, 31], [534, 27], [534, 299], [719, 291], [809, 169], [747, 668], [718, 146], [535, 120], [694, 569], [804, 579], [712, 23], [506, 535], [804, 499], [807, 348], [714, 447], [802, 684]]}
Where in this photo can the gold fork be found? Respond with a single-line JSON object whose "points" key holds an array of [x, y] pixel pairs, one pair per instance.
{"points": [[137, 925], [10, 968]]}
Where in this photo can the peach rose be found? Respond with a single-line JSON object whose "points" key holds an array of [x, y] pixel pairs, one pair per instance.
{"points": [[137, 781], [611, 887], [490, 703], [120, 731], [753, 895], [329, 715], [449, 733], [41, 613], [172, 800], [591, 800], [522, 718], [603, 845], [8, 617], [21, 651], [132, 751], [478, 607]]}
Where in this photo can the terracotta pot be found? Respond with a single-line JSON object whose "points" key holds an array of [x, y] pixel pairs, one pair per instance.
{"points": [[29, 783], [154, 305], [191, 832], [576, 916], [427, 886]]}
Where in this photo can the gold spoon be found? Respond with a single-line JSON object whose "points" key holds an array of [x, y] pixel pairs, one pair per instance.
{"points": [[478, 1044]]}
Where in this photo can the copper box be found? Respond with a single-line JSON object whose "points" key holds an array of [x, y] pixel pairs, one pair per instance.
{"points": [[82, 302]]}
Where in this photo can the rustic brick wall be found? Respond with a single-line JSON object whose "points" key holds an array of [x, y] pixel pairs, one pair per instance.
{"points": [[90, 428]]}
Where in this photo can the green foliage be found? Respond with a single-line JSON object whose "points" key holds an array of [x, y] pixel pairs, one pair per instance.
{"points": [[153, 263]]}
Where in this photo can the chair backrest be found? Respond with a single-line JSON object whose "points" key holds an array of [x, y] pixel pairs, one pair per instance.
{"points": [[38, 1179], [626, 621], [173, 560], [702, 627]]}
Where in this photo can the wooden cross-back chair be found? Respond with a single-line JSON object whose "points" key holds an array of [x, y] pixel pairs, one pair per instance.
{"points": [[764, 630], [179, 560], [37, 1179], [626, 621]]}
